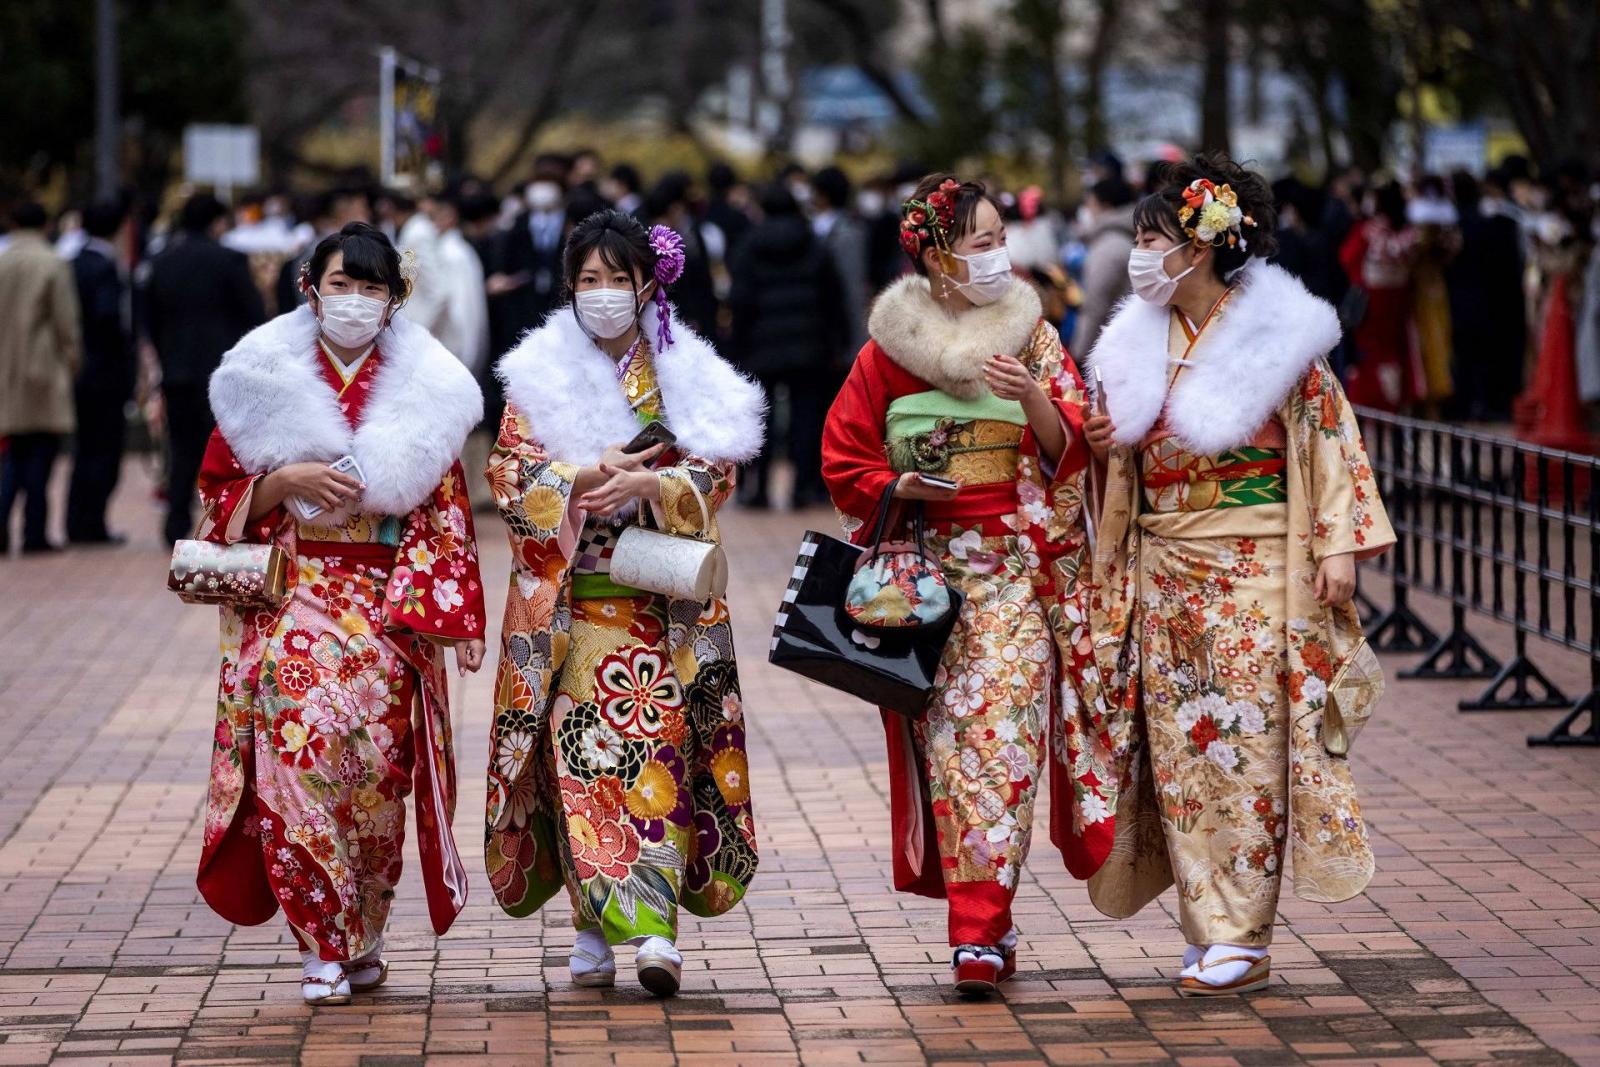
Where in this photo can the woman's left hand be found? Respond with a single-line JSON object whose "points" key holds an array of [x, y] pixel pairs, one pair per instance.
{"points": [[1008, 379], [619, 488], [1336, 580], [469, 656]]}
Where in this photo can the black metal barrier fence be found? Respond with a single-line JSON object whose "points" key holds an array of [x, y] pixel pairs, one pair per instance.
{"points": [[1499, 529]]}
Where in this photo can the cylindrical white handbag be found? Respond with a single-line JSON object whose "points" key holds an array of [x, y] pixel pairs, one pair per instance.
{"points": [[674, 565]]}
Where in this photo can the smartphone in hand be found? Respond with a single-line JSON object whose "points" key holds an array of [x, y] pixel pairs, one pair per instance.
{"points": [[937, 482], [654, 433], [305, 509]]}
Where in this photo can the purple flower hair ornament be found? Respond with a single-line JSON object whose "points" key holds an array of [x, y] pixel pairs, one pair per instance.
{"points": [[668, 247]]}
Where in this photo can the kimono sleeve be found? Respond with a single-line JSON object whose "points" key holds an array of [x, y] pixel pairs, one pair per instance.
{"points": [[1057, 374], [535, 496], [683, 487], [436, 590], [226, 490], [854, 464], [1347, 515]]}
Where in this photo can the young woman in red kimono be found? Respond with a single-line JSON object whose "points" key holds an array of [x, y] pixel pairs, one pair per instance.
{"points": [[334, 705], [962, 379]]}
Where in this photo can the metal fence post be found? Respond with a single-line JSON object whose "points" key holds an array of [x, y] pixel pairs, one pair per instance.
{"points": [[1453, 655], [1399, 629]]}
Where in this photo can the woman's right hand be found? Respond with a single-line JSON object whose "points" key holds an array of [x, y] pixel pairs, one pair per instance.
{"points": [[316, 483], [1097, 432], [912, 487], [615, 457]]}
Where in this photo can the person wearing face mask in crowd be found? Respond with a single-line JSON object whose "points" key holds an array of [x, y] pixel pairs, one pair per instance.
{"points": [[334, 705], [965, 382], [1105, 225], [524, 286], [617, 766], [791, 330], [1236, 500]]}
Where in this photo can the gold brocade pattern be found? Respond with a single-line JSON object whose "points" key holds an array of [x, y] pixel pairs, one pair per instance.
{"points": [[639, 384], [1216, 711]]}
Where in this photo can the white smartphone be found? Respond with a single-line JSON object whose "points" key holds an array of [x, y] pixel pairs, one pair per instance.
{"points": [[939, 483], [1099, 393], [305, 509]]}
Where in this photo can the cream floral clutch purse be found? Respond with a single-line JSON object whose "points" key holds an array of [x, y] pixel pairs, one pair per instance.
{"points": [[1356, 688], [245, 575]]}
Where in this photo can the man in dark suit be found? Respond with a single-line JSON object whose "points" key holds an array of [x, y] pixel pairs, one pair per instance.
{"points": [[525, 285], [200, 301], [106, 378]]}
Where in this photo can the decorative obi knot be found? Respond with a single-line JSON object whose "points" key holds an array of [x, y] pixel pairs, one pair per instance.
{"points": [[975, 452]]}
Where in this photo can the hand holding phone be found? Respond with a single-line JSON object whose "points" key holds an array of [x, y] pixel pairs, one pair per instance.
{"points": [[654, 433], [918, 486], [1098, 429], [350, 474]]}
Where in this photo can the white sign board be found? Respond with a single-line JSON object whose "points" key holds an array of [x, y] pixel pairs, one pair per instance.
{"points": [[1460, 147], [223, 156]]}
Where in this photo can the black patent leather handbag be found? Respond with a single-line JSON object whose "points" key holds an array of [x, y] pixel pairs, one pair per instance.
{"points": [[815, 638]]}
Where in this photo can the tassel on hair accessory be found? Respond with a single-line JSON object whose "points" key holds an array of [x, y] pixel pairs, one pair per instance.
{"points": [[668, 247]]}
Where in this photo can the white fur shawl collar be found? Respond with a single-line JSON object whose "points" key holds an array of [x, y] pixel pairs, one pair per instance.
{"points": [[567, 388], [275, 408], [949, 351], [1265, 338]]}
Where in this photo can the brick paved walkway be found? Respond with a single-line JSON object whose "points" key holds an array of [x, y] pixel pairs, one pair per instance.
{"points": [[1479, 941]]}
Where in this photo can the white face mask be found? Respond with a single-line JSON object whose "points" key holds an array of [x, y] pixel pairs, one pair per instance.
{"points": [[544, 196], [351, 320], [988, 276], [606, 313], [1147, 273]]}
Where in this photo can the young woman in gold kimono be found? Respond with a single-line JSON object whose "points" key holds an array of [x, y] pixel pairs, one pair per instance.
{"points": [[1237, 500]]}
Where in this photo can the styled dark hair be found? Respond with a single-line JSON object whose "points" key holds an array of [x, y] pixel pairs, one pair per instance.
{"points": [[622, 241], [369, 256], [104, 218], [834, 185], [199, 212], [1113, 191], [1158, 211], [777, 201], [1390, 200], [28, 215], [968, 196]]}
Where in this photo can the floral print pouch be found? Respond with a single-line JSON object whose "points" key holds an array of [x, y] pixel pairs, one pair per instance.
{"points": [[898, 586]]}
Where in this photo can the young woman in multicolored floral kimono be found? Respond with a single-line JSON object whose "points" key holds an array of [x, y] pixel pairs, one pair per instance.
{"points": [[617, 760], [335, 704], [1238, 498], [963, 381]]}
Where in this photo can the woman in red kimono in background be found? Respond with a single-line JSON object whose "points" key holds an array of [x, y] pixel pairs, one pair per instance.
{"points": [[964, 380], [335, 704], [1378, 256]]}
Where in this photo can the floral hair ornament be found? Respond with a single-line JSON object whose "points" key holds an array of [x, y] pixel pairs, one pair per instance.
{"points": [[668, 247], [1215, 215], [927, 223]]}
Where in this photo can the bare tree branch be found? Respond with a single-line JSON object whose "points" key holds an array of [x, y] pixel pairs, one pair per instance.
{"points": [[863, 53]]}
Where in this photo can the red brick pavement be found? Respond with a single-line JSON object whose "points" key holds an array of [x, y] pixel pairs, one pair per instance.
{"points": [[1478, 942]]}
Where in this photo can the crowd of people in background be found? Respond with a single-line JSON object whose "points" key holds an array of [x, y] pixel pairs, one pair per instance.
{"points": [[1447, 286]]}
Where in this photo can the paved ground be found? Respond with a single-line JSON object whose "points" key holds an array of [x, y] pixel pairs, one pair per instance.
{"points": [[1479, 941]]}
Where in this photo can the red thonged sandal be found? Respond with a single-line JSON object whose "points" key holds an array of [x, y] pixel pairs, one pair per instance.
{"points": [[976, 976]]}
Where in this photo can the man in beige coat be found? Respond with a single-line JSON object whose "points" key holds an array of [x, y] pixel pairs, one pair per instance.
{"points": [[39, 354]]}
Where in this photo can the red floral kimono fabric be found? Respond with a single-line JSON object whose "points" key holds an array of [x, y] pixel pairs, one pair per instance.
{"points": [[321, 702], [961, 829]]}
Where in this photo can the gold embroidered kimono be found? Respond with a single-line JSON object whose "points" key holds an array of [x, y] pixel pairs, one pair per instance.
{"points": [[1203, 610]]}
